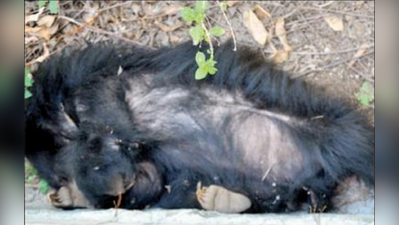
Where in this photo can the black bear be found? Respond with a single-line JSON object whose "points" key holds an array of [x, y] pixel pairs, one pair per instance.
{"points": [[121, 123]]}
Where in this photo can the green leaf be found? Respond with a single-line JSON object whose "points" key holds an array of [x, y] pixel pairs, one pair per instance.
{"points": [[200, 73], [187, 14], [200, 58], [31, 173], [41, 3], [204, 67], [28, 78], [216, 31], [365, 94], [201, 6], [199, 16], [206, 38], [212, 70], [30, 170], [43, 186], [27, 94], [210, 66], [197, 34], [364, 100], [53, 6], [30, 179]]}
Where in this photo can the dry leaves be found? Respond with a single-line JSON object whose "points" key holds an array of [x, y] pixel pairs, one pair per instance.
{"points": [[171, 10], [261, 13], [232, 3], [334, 22], [44, 56], [281, 33], [34, 17], [255, 27], [362, 50], [46, 21], [166, 28], [46, 27], [280, 56], [31, 39]]}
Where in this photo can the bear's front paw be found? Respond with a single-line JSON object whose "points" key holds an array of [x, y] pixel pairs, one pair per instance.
{"points": [[61, 198], [68, 197], [217, 198]]}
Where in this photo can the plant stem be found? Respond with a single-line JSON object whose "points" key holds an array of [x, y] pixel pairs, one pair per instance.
{"points": [[230, 27], [209, 38]]}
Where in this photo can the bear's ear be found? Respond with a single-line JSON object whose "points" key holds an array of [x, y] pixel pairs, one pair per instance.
{"points": [[67, 125], [61, 125]]}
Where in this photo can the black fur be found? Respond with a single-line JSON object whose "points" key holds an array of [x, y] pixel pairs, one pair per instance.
{"points": [[250, 128]]}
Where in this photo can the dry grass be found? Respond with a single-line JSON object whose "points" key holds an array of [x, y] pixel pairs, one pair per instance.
{"points": [[319, 54]]}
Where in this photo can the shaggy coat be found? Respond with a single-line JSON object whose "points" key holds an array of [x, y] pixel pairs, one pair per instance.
{"points": [[124, 119]]}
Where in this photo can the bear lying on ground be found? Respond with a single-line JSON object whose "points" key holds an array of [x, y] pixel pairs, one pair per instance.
{"points": [[126, 124]]}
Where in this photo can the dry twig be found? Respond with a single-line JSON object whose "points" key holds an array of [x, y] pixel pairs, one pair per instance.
{"points": [[230, 27], [98, 30]]}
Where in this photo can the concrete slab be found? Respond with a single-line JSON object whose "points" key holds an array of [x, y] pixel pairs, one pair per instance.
{"points": [[40, 212]]}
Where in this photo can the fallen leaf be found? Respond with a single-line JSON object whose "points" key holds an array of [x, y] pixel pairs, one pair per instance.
{"points": [[90, 20], [171, 10], [280, 56], [32, 29], [34, 17], [53, 29], [166, 28], [334, 22], [281, 33], [362, 50], [231, 3], [174, 39], [255, 27], [261, 13], [45, 33], [274, 49], [44, 56], [46, 21], [31, 39]]}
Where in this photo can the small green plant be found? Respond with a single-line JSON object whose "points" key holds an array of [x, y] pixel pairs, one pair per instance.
{"points": [[31, 176], [365, 94], [43, 186], [52, 5], [28, 83], [200, 32], [204, 66], [30, 173]]}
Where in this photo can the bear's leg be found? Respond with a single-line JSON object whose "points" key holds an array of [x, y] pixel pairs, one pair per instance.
{"points": [[217, 198]]}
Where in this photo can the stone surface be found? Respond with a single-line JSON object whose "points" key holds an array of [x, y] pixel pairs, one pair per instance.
{"points": [[40, 212], [358, 210], [157, 216]]}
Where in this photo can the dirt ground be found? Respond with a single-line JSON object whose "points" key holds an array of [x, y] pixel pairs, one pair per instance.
{"points": [[319, 53], [338, 55]]}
